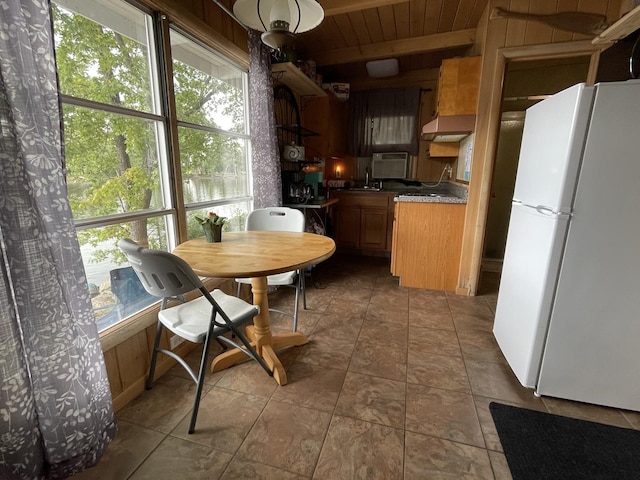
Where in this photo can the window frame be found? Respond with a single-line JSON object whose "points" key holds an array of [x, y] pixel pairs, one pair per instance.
{"points": [[169, 169]]}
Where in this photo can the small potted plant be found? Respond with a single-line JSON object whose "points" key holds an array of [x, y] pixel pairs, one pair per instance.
{"points": [[212, 227]]}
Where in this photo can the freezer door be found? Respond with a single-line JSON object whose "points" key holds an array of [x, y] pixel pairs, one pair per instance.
{"points": [[593, 348], [531, 264], [552, 144]]}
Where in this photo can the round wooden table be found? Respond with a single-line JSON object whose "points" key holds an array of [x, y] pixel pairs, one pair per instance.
{"points": [[256, 254]]}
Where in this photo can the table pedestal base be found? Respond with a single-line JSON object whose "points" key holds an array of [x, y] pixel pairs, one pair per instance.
{"points": [[267, 352], [261, 338]]}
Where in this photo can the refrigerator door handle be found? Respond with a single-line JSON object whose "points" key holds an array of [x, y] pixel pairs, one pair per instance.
{"points": [[549, 211], [545, 210], [541, 209]]}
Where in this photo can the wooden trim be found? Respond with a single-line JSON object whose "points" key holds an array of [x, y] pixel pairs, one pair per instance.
{"points": [[396, 48], [547, 51], [593, 67], [204, 32], [487, 126]]}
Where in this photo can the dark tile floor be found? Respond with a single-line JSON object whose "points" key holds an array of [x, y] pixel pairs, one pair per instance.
{"points": [[394, 384]]}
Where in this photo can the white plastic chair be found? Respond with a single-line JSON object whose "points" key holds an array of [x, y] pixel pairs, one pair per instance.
{"points": [[209, 316], [282, 219]]}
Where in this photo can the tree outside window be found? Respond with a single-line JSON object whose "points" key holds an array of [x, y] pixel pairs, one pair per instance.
{"points": [[117, 143]]}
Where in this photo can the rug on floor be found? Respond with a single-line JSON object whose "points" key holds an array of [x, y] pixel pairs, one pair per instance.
{"points": [[541, 445]]}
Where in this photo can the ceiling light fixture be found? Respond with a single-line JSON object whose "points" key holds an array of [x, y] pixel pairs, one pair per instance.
{"points": [[382, 68], [279, 19]]}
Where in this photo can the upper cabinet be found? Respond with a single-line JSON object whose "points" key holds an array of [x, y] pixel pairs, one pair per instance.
{"points": [[456, 106], [458, 86], [297, 81]]}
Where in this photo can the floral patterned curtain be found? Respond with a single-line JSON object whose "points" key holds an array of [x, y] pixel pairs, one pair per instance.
{"points": [[56, 415], [267, 182]]}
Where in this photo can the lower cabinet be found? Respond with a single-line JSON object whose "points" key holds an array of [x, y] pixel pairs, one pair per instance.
{"points": [[427, 241], [363, 221]]}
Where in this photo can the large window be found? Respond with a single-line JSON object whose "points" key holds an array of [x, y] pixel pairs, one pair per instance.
{"points": [[123, 181]]}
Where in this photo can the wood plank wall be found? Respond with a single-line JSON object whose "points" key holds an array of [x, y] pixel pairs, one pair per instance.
{"points": [[533, 40]]}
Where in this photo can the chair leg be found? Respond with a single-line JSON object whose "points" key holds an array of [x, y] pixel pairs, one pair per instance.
{"points": [[200, 383], [303, 288], [296, 302], [250, 350], [154, 356], [239, 290]]}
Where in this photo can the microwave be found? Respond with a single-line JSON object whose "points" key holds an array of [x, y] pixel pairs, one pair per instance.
{"points": [[390, 165]]}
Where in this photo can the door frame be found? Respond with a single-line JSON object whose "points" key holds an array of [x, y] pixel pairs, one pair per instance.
{"points": [[487, 127]]}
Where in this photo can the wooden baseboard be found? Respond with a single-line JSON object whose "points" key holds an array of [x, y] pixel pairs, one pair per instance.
{"points": [[462, 291]]}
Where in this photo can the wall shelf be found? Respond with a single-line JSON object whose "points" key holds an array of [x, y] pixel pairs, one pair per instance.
{"points": [[297, 81], [297, 129]]}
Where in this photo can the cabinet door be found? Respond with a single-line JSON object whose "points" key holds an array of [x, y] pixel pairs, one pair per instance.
{"points": [[373, 228], [348, 226], [458, 86], [428, 243]]}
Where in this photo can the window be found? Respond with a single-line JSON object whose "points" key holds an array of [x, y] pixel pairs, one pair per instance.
{"points": [[212, 132], [383, 121], [122, 180]]}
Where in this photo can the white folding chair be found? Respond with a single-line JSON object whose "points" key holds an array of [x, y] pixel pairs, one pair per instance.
{"points": [[210, 316], [282, 219]]}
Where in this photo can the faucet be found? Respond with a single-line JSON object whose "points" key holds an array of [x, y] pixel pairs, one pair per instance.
{"points": [[366, 176]]}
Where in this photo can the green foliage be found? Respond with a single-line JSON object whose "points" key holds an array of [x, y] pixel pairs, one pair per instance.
{"points": [[112, 160], [211, 219]]}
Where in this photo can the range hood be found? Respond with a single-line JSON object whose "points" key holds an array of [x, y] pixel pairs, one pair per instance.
{"points": [[449, 128]]}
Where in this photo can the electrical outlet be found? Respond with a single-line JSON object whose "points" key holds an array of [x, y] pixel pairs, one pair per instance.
{"points": [[449, 170], [175, 341]]}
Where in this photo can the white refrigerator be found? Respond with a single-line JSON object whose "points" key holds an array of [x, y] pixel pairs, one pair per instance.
{"points": [[568, 311]]}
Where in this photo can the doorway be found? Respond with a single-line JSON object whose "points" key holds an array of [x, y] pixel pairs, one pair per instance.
{"points": [[525, 84]]}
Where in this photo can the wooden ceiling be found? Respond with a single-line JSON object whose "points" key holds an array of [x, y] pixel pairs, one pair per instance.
{"points": [[419, 33]]}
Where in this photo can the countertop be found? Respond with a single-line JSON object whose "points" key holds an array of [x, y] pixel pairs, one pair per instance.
{"points": [[315, 204], [444, 193], [430, 198]]}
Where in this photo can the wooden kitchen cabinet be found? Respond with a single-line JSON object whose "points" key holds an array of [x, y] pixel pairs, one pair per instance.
{"points": [[458, 86], [327, 116], [362, 221], [427, 240]]}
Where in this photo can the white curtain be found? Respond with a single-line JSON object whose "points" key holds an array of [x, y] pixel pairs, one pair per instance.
{"points": [[383, 121], [56, 415]]}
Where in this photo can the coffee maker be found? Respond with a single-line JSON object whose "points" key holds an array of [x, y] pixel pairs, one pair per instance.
{"points": [[294, 190]]}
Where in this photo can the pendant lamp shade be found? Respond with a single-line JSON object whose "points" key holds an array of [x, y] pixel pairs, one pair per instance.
{"points": [[295, 16]]}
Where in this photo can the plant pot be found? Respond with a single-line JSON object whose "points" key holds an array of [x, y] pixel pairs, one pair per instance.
{"points": [[212, 233]]}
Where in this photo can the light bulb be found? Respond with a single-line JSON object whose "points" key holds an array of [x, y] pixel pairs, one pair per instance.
{"points": [[280, 12]]}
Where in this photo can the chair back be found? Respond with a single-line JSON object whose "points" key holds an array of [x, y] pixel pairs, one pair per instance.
{"points": [[282, 219], [162, 274]]}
